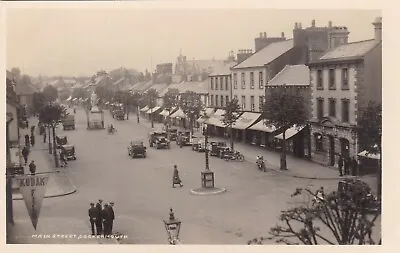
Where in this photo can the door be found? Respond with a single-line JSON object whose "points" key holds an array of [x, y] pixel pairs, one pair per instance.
{"points": [[331, 150]]}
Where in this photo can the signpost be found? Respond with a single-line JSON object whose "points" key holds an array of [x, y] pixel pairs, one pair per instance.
{"points": [[33, 189]]}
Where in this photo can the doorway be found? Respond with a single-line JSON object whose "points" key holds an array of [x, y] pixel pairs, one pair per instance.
{"points": [[331, 150], [345, 147]]}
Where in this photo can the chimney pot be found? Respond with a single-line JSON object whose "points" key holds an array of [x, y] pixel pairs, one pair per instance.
{"points": [[295, 25], [313, 23], [261, 35], [265, 35], [283, 35], [330, 24]]}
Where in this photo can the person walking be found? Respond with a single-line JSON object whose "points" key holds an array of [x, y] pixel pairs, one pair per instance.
{"points": [[175, 178], [44, 137], [112, 217], [346, 165], [92, 216], [25, 154], [340, 165], [32, 168], [32, 130], [354, 166], [105, 214], [99, 220], [32, 140], [27, 141]]}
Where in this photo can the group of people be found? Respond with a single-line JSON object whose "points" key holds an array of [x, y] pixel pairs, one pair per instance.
{"points": [[347, 166], [29, 141], [101, 217]]}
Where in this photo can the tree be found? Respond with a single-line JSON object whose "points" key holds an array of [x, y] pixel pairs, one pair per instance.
{"points": [[39, 100], [191, 105], [170, 100], [284, 107], [104, 93], [50, 92], [343, 217], [230, 116], [151, 97], [51, 115], [369, 128], [65, 93]]}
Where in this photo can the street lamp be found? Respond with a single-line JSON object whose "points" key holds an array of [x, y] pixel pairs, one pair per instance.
{"points": [[173, 227], [137, 113], [207, 176]]}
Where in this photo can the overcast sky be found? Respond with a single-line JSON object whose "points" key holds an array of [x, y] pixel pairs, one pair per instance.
{"points": [[82, 41]]}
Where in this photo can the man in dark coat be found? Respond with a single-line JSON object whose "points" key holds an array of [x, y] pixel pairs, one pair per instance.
{"points": [[32, 140], [27, 141], [354, 166], [340, 165], [347, 166], [112, 217], [44, 136], [106, 216], [99, 219], [32, 167], [25, 154], [92, 216]]}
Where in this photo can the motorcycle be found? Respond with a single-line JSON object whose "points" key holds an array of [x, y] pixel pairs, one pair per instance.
{"points": [[236, 156], [261, 163], [111, 130]]}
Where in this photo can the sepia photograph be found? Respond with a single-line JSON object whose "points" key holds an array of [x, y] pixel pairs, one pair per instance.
{"points": [[193, 126]]}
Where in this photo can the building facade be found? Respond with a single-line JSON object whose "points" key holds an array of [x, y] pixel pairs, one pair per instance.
{"points": [[220, 86], [343, 81]]}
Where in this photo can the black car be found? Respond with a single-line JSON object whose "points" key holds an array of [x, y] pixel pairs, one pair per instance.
{"points": [[173, 133], [69, 151], [161, 142], [183, 138], [137, 148], [199, 145], [216, 147], [61, 140], [154, 135]]}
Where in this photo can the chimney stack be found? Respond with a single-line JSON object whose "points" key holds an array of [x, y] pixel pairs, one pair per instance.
{"points": [[265, 35], [330, 24], [295, 25], [378, 28], [313, 23], [283, 35], [261, 35]]}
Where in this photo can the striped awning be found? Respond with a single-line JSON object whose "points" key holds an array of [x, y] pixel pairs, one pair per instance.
{"points": [[144, 109], [152, 110], [209, 112], [216, 118], [245, 120], [290, 132], [178, 114]]}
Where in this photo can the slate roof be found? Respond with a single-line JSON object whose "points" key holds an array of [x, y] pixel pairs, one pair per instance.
{"points": [[266, 55], [292, 75], [223, 70], [159, 87], [354, 50]]}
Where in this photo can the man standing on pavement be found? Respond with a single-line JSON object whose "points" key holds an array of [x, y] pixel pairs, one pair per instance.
{"points": [[27, 142], [32, 168], [106, 216], [92, 216], [32, 140], [340, 165], [112, 217], [25, 154], [44, 136], [354, 166], [99, 219], [346, 165]]}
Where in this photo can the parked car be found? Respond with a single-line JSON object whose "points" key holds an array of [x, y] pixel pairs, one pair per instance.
{"points": [[215, 147], [184, 138], [61, 140], [137, 148], [119, 114], [173, 133], [69, 151], [153, 136], [69, 122], [162, 142], [199, 145]]}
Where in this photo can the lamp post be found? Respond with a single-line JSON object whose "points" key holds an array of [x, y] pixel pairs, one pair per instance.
{"points": [[207, 176], [137, 113], [173, 226]]}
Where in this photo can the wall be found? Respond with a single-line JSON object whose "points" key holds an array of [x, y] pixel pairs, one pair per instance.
{"points": [[219, 92], [13, 127]]}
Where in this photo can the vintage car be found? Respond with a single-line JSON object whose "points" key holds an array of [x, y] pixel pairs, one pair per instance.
{"points": [[215, 147], [119, 114], [69, 151], [162, 142], [68, 122], [61, 140], [153, 136], [199, 145], [173, 133], [225, 152], [137, 148], [183, 138]]}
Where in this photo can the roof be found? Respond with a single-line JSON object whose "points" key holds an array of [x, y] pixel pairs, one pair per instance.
{"points": [[24, 89], [352, 50], [216, 118], [144, 86], [246, 120], [119, 81], [178, 114], [223, 70], [292, 75], [266, 55], [159, 87], [209, 112], [260, 126]]}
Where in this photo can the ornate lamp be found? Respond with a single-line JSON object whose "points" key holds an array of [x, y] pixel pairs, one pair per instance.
{"points": [[207, 176], [173, 227]]}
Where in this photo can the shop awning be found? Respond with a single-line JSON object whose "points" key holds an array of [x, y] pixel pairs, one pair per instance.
{"points": [[245, 120], [260, 126], [74, 99], [144, 109], [178, 114], [209, 112], [367, 154], [290, 132], [152, 110], [68, 99], [164, 112], [216, 118]]}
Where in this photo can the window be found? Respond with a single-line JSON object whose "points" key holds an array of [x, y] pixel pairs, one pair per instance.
{"points": [[226, 100], [216, 83], [221, 83], [212, 83], [345, 110], [234, 80], [252, 103], [226, 83], [260, 103], [318, 142], [243, 102], [332, 84], [222, 101], [243, 80], [212, 100], [251, 80], [260, 80], [345, 79], [332, 107], [320, 108], [216, 100], [320, 84]]}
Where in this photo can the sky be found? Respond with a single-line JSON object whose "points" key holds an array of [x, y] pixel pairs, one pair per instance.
{"points": [[82, 41]]}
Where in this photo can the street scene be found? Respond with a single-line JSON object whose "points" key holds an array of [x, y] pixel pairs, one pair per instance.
{"points": [[197, 151]]}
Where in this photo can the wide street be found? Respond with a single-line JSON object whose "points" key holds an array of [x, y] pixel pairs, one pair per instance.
{"points": [[142, 192]]}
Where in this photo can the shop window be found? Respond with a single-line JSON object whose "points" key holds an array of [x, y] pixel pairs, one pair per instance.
{"points": [[332, 80], [235, 80], [320, 84]]}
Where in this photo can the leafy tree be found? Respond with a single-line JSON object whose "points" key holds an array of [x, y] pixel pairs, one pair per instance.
{"points": [[104, 93], [284, 107], [343, 217], [51, 116], [232, 112], [369, 128], [16, 72], [191, 105], [50, 92], [151, 98], [171, 99], [39, 100]]}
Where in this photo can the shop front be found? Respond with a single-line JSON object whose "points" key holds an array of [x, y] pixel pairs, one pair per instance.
{"points": [[263, 133], [297, 141], [242, 123], [218, 128]]}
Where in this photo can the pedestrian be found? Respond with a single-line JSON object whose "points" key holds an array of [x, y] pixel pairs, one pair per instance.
{"points": [[105, 214], [32, 140], [27, 141], [92, 216], [32, 167], [112, 217], [346, 165], [354, 166], [44, 137], [175, 178], [63, 158], [340, 165], [99, 220], [32, 130], [25, 154]]}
